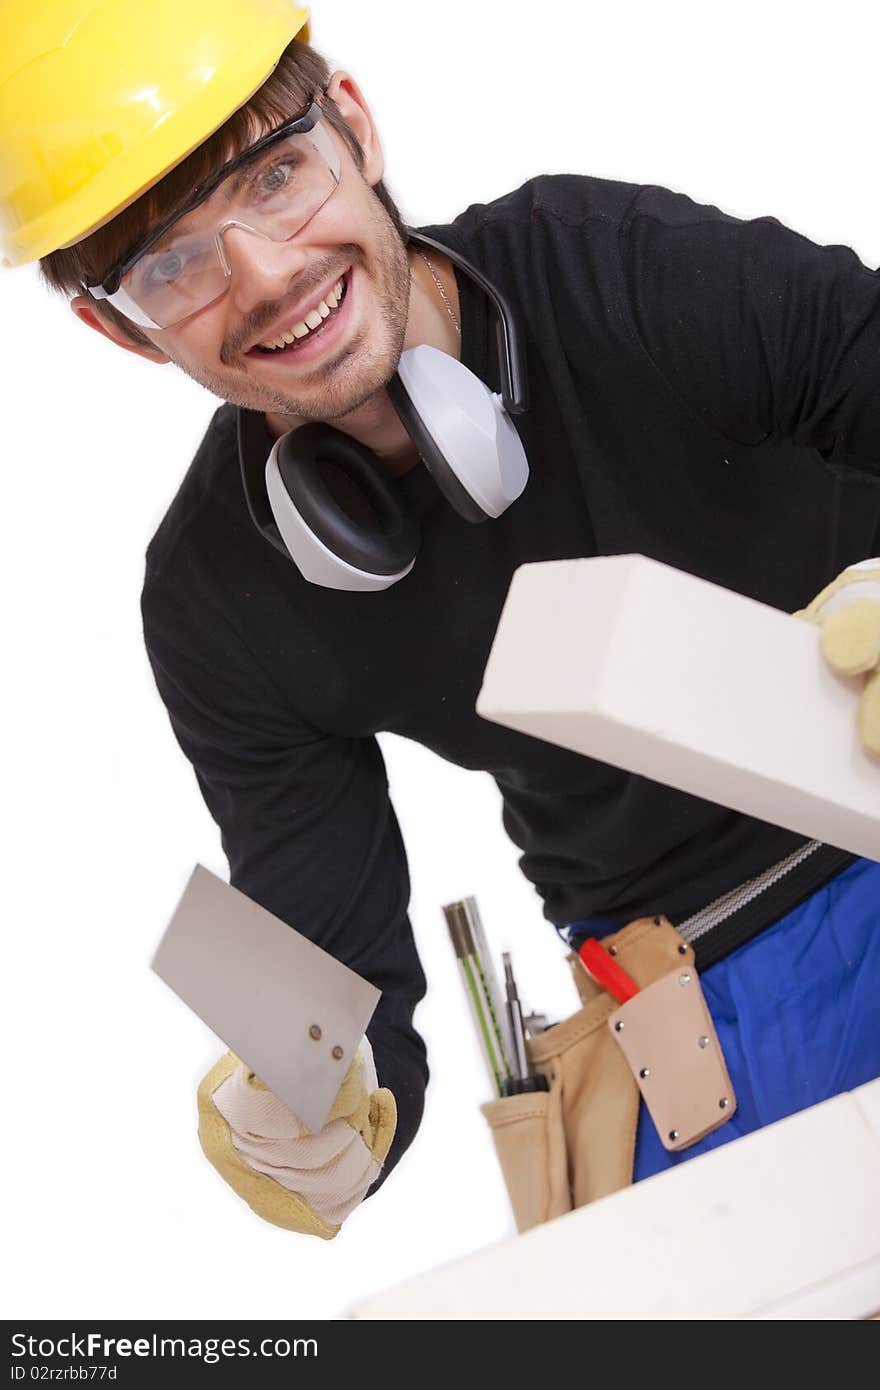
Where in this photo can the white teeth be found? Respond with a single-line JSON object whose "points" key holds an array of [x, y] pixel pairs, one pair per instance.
{"points": [[312, 319]]}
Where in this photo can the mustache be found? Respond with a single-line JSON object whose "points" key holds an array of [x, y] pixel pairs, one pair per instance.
{"points": [[305, 283]]}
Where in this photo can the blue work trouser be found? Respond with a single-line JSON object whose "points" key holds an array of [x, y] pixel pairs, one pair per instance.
{"points": [[796, 1009]]}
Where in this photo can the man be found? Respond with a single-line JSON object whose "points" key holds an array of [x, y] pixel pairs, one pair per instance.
{"points": [[702, 391]]}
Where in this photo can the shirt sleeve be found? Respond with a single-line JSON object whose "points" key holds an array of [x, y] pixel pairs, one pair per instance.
{"points": [[760, 331], [306, 824]]}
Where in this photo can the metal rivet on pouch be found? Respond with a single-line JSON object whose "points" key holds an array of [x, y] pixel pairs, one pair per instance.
{"points": [[612, 950], [618, 1027], [646, 1071], [656, 921], [337, 1052], [702, 1042], [723, 1103], [682, 950], [684, 979], [315, 1032], [673, 1135]]}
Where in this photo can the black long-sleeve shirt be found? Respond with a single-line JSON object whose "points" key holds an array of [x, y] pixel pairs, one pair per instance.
{"points": [[705, 391]]}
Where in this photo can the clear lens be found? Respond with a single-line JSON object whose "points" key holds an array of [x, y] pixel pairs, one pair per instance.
{"points": [[274, 197], [176, 280]]}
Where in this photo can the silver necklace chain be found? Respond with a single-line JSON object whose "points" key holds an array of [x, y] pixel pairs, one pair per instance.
{"points": [[443, 295]]}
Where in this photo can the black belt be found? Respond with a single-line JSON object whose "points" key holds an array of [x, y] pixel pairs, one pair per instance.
{"points": [[731, 920]]}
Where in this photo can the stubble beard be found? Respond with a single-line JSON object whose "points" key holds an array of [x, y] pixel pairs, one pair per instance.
{"points": [[360, 371]]}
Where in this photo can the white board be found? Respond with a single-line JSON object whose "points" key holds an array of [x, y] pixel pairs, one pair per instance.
{"points": [[782, 1223], [652, 670]]}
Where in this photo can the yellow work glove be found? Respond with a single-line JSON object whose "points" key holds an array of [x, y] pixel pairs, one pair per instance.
{"points": [[304, 1182], [848, 612]]}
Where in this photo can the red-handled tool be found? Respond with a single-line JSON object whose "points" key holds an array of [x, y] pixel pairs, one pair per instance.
{"points": [[604, 969]]}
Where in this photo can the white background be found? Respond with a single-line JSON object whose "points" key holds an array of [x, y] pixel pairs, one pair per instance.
{"points": [[755, 107]]}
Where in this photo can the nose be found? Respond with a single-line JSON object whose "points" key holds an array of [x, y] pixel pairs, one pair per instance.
{"points": [[261, 269]]}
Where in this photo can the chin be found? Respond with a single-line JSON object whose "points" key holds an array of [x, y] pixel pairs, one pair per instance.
{"points": [[351, 390]]}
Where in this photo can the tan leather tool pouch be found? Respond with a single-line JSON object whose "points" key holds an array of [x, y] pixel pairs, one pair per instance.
{"points": [[529, 1137], [667, 1036], [562, 1148]]}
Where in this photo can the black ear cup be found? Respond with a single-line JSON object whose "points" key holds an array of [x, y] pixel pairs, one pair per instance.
{"points": [[346, 498]]}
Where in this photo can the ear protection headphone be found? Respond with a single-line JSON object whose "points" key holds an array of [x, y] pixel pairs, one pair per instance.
{"points": [[329, 503]]}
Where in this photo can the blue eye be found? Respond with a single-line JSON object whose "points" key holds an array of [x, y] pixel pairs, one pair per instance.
{"points": [[271, 183], [277, 173], [165, 269]]}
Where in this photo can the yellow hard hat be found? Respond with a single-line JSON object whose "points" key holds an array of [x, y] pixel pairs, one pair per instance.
{"points": [[99, 100]]}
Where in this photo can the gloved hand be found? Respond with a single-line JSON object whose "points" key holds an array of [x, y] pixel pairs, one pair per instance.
{"points": [[301, 1181], [848, 612]]}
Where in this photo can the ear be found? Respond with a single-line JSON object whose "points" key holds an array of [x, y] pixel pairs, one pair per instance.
{"points": [[87, 311], [354, 110]]}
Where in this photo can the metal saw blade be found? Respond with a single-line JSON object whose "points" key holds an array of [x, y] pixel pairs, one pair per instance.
{"points": [[286, 1007]]}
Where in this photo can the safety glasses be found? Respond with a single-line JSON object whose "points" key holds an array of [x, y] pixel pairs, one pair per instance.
{"points": [[272, 190]]}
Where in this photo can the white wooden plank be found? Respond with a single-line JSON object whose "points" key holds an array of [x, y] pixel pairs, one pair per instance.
{"points": [[650, 669], [731, 1234]]}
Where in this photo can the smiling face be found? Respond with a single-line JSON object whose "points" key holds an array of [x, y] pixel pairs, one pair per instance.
{"points": [[277, 289], [350, 252]]}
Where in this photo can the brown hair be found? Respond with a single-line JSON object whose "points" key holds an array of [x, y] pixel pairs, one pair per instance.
{"points": [[300, 72]]}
